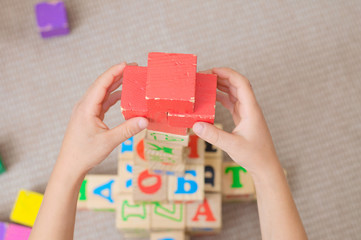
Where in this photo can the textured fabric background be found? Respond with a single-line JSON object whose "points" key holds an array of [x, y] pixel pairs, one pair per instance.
{"points": [[302, 57]]}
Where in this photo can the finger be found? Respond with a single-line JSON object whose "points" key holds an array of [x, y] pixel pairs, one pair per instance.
{"points": [[244, 90], [214, 135], [126, 130], [229, 92], [225, 101], [98, 91], [112, 99]]}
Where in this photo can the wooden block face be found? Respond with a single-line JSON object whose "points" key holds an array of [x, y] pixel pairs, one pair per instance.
{"points": [[148, 186], [168, 138], [133, 103], [16, 232], [82, 203], [195, 151], [168, 216], [157, 148], [211, 150], [171, 82], [26, 207], [171, 235], [212, 174], [133, 148], [132, 218], [206, 217], [237, 183], [125, 176], [164, 127], [189, 187], [101, 191], [205, 101], [166, 169]]}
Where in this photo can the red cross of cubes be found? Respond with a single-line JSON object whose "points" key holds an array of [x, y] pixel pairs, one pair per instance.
{"points": [[169, 92]]}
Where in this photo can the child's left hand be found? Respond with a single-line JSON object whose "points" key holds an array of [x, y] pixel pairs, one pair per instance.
{"points": [[88, 140]]}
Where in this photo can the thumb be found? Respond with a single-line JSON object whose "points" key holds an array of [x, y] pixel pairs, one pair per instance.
{"points": [[214, 135], [126, 130]]}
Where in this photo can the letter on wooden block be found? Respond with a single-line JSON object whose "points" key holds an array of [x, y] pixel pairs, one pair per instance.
{"points": [[101, 191], [206, 217], [205, 101], [51, 19], [168, 216], [211, 150], [168, 137], [15, 232], [237, 183], [133, 148], [147, 186], [196, 146], [125, 176], [171, 235], [133, 103], [26, 207], [171, 82], [212, 174], [132, 218], [2, 167], [83, 197], [188, 187]]}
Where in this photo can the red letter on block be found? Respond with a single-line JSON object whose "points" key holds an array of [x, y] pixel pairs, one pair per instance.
{"points": [[133, 102], [145, 175], [204, 109], [204, 209], [171, 82]]}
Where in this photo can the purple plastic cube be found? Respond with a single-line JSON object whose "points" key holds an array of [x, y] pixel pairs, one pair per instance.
{"points": [[3, 227], [51, 19]]}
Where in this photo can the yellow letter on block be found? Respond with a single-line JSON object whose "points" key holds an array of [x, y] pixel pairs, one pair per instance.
{"points": [[26, 207]]}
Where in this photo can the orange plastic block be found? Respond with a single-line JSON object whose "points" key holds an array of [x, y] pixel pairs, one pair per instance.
{"points": [[204, 110], [133, 102], [171, 82]]}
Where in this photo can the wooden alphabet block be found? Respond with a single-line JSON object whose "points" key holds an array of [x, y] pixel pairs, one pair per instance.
{"points": [[171, 82], [195, 151], [26, 207], [2, 167], [212, 174], [125, 176], [189, 187], [51, 19], [131, 218], [133, 103], [10, 231], [205, 218], [205, 101], [101, 191], [82, 203], [168, 137], [133, 149], [171, 235], [147, 186], [164, 127], [168, 216], [159, 167], [212, 151], [237, 183], [157, 148]]}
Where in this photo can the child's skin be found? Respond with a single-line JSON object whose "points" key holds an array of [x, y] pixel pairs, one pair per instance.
{"points": [[88, 141]]}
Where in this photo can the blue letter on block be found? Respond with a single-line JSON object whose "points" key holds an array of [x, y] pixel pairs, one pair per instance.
{"points": [[129, 182], [100, 189], [193, 186], [127, 146]]}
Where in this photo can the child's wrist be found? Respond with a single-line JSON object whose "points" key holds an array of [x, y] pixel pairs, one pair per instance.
{"points": [[268, 174]]}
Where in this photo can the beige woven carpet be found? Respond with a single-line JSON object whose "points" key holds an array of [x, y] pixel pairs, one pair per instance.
{"points": [[302, 57]]}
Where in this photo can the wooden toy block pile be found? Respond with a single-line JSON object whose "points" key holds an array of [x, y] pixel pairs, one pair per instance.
{"points": [[170, 183]]}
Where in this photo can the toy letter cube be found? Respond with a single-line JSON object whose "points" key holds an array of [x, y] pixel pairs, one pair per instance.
{"points": [[51, 19], [26, 207], [16, 232], [172, 235]]}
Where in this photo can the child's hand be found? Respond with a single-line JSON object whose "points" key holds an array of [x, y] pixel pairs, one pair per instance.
{"points": [[88, 141], [250, 144]]}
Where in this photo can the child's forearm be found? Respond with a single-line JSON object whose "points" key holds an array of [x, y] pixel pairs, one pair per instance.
{"points": [[56, 217], [278, 214]]}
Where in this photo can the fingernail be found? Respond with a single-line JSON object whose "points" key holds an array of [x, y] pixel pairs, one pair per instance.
{"points": [[198, 128], [142, 123]]}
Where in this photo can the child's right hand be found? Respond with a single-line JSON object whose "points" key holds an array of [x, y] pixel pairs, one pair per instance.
{"points": [[250, 144]]}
